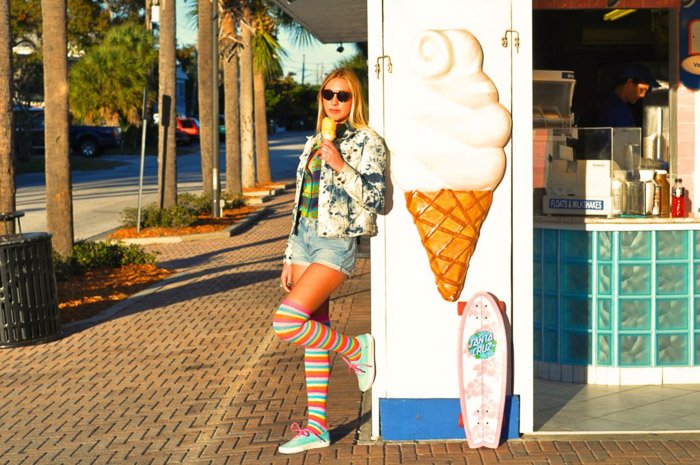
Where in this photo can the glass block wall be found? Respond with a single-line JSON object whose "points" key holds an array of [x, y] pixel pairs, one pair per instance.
{"points": [[617, 298]]}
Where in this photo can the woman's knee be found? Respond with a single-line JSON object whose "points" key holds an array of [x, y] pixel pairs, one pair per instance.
{"points": [[288, 321]]}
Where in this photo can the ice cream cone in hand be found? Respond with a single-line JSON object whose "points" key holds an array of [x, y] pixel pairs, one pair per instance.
{"points": [[328, 129], [448, 222]]}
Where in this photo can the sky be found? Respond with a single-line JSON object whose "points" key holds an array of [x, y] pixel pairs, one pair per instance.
{"points": [[315, 59]]}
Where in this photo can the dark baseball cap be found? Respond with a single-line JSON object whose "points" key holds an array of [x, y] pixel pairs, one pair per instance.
{"points": [[640, 72]]}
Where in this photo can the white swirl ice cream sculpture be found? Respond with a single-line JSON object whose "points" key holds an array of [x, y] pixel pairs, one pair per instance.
{"points": [[455, 159]]}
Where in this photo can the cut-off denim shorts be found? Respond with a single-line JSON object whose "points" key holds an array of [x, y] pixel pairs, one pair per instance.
{"points": [[339, 253]]}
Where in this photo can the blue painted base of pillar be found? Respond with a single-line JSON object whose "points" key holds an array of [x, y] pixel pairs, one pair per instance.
{"points": [[434, 419]]}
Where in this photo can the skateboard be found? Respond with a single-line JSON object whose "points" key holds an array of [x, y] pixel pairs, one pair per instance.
{"points": [[483, 369]]}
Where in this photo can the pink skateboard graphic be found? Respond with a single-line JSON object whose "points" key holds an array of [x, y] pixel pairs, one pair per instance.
{"points": [[483, 368]]}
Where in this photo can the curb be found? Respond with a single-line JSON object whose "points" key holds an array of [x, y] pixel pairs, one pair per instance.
{"points": [[223, 234]]}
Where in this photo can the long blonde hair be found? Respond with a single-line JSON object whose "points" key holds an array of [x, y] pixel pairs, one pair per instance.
{"points": [[358, 110]]}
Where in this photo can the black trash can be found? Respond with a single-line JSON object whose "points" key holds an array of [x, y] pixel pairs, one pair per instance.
{"points": [[28, 302]]}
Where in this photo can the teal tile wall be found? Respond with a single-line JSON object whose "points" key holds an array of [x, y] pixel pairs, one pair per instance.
{"points": [[634, 245], [635, 350], [672, 278], [635, 279], [617, 298], [672, 349]]}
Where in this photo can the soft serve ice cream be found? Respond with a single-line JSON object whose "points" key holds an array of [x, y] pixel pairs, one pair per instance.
{"points": [[454, 158]]}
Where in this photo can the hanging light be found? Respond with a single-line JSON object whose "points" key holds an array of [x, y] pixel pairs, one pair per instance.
{"points": [[616, 14]]}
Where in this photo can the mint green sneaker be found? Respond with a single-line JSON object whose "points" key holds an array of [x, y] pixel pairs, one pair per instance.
{"points": [[364, 368], [305, 440]]}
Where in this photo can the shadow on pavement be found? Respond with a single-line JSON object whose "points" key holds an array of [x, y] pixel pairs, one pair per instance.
{"points": [[203, 258], [189, 289]]}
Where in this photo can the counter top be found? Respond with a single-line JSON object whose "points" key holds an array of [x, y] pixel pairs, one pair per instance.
{"points": [[601, 223]]}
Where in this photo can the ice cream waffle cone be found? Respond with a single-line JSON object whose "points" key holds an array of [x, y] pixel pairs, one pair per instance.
{"points": [[448, 222]]}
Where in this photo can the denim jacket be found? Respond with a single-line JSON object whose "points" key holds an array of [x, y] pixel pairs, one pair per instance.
{"points": [[349, 200]]}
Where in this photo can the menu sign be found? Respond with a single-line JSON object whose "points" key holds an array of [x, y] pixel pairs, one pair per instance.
{"points": [[689, 44]]}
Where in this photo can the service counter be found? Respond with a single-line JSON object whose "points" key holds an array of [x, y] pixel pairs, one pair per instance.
{"points": [[617, 300]]}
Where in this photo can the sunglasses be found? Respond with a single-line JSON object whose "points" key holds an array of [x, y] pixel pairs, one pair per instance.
{"points": [[341, 94]]}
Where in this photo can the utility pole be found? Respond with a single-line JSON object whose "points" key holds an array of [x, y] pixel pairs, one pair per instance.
{"points": [[216, 188], [303, 68]]}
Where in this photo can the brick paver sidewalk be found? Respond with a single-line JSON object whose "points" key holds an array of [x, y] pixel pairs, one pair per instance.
{"points": [[192, 373]]}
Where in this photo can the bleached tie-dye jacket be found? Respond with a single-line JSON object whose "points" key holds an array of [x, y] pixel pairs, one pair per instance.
{"points": [[349, 200]]}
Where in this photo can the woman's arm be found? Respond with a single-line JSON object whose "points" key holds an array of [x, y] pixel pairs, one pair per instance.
{"points": [[365, 184]]}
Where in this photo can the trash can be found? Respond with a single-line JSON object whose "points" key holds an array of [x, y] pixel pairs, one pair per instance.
{"points": [[28, 302]]}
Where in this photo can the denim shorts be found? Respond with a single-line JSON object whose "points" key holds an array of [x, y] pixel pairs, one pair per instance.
{"points": [[339, 253]]}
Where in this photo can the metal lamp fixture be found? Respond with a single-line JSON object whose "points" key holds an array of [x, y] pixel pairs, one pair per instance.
{"points": [[616, 14]]}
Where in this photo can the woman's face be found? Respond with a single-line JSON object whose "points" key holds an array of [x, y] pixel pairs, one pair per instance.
{"points": [[338, 111]]}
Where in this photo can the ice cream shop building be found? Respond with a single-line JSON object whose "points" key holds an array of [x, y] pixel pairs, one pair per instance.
{"points": [[503, 181]]}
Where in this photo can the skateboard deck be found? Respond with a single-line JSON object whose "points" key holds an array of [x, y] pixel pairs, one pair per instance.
{"points": [[483, 369]]}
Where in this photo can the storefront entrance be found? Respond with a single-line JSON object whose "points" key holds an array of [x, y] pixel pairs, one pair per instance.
{"points": [[615, 310]]}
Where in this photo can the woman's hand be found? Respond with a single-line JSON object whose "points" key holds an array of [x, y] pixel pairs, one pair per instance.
{"points": [[286, 278], [329, 153]]}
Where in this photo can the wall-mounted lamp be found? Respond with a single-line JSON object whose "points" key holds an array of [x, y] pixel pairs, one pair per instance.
{"points": [[616, 14]]}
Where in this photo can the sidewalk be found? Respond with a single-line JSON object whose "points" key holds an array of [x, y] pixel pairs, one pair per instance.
{"points": [[191, 373]]}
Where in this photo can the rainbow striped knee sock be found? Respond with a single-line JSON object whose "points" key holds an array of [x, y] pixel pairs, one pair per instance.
{"points": [[292, 324]]}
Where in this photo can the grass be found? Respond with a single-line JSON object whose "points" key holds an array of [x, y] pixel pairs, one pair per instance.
{"points": [[36, 164]]}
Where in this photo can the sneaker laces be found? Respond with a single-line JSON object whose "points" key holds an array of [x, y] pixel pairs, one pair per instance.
{"points": [[354, 367], [299, 431]]}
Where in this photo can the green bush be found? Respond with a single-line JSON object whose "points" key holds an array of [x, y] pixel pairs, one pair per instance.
{"points": [[89, 255], [152, 216], [233, 201], [196, 204], [189, 206]]}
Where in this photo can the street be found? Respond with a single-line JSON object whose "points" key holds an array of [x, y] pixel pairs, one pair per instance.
{"points": [[100, 196]]}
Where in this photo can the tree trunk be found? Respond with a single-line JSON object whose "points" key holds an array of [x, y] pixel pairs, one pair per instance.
{"points": [[7, 166], [205, 68], [247, 136], [233, 131], [59, 197], [262, 148], [167, 167]]}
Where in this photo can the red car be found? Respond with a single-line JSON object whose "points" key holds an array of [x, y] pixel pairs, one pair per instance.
{"points": [[189, 126]]}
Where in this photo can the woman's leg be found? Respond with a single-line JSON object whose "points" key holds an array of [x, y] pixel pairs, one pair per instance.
{"points": [[317, 368], [293, 322], [296, 322]]}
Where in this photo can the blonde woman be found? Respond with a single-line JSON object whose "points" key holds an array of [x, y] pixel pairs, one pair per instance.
{"points": [[339, 192]]}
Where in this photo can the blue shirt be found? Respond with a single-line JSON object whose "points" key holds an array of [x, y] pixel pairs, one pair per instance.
{"points": [[615, 113]]}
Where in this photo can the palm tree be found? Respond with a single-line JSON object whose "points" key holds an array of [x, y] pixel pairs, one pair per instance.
{"points": [[106, 85], [230, 47], [266, 61], [246, 99], [59, 197], [205, 67], [7, 169], [167, 167]]}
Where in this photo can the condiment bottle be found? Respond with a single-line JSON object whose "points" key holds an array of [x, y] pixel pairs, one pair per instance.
{"points": [[664, 192], [678, 199]]}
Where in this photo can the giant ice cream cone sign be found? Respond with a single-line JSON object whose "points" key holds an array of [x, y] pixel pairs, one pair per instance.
{"points": [[449, 181]]}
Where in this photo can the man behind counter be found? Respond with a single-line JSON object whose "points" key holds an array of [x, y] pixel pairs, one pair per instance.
{"points": [[634, 82]]}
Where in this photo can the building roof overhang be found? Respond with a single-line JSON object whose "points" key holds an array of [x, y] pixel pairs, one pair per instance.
{"points": [[330, 20]]}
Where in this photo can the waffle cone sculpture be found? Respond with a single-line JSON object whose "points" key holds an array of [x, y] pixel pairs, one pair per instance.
{"points": [[453, 157], [448, 222]]}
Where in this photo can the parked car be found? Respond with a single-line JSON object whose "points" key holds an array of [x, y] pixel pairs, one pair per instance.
{"points": [[88, 141], [182, 138], [190, 126]]}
